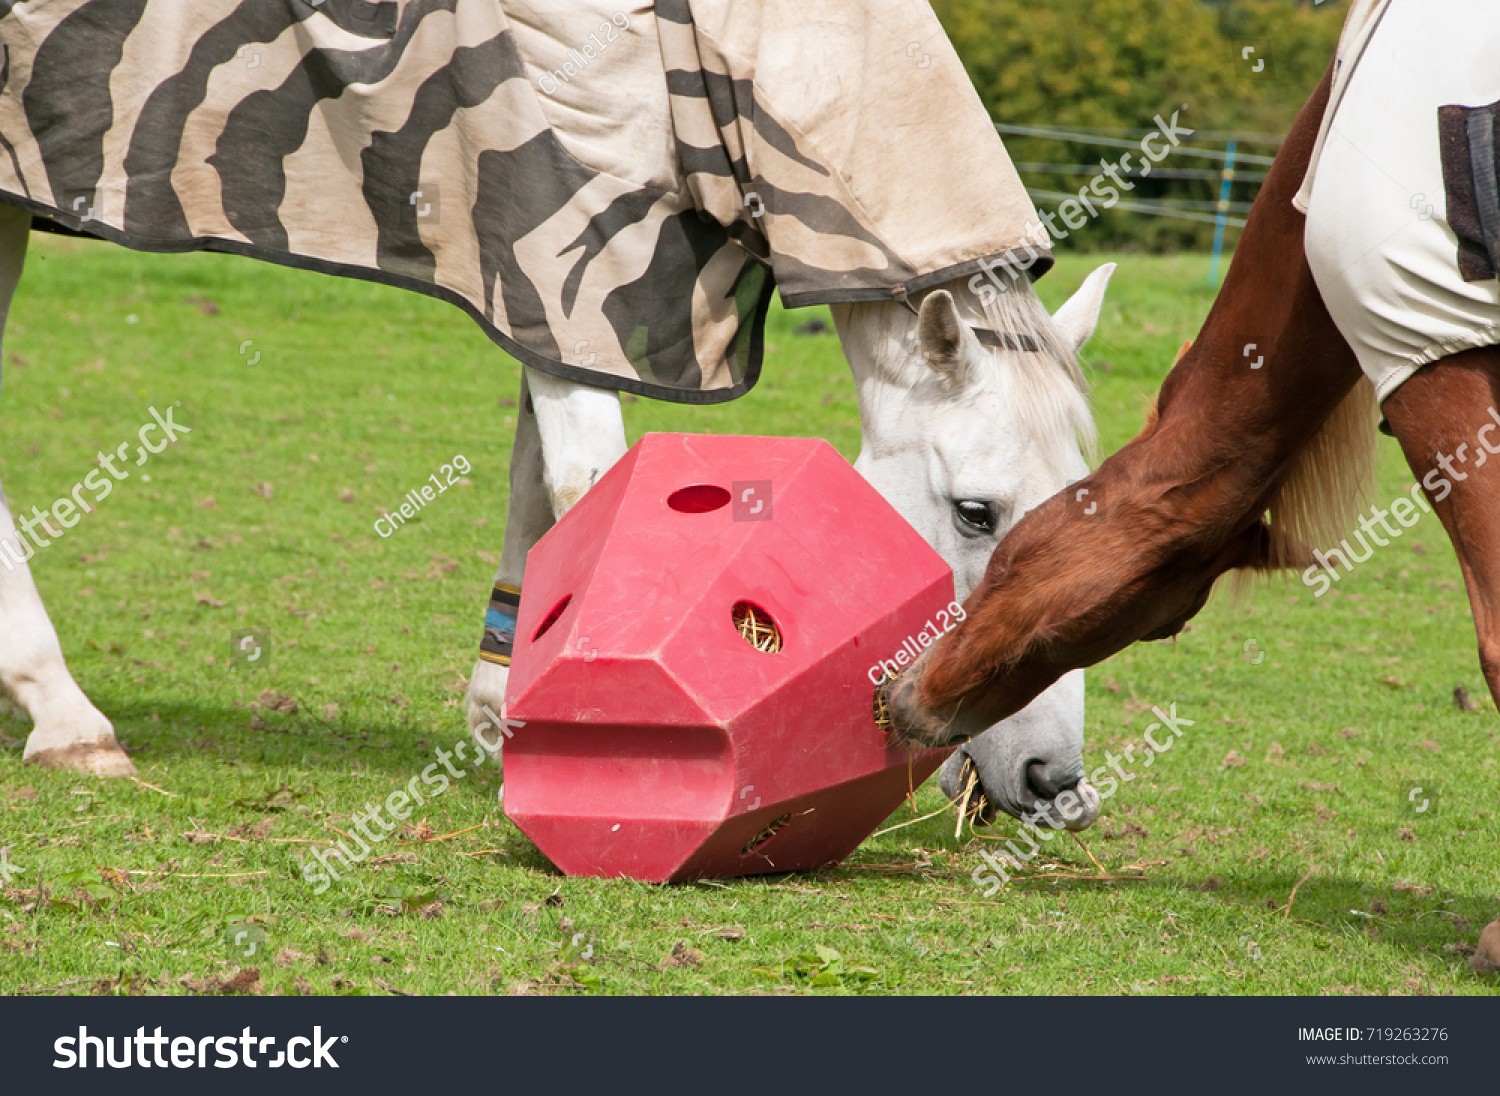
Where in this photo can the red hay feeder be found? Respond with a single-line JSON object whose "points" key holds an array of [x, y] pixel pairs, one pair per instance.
{"points": [[695, 670]]}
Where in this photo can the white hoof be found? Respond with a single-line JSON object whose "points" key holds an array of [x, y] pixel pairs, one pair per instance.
{"points": [[487, 706], [84, 743]]}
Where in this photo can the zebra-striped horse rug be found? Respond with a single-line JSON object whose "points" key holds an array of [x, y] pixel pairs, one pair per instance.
{"points": [[612, 193]]}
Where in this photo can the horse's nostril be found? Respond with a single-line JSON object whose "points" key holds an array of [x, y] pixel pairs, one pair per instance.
{"points": [[1048, 782]]}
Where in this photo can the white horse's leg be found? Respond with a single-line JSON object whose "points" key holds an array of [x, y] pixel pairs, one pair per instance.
{"points": [[529, 516], [582, 432], [68, 732], [567, 436]]}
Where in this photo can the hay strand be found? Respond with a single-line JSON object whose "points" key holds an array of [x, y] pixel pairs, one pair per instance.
{"points": [[1088, 852], [1287, 909]]}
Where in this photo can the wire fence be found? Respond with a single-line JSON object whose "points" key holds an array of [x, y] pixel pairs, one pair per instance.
{"points": [[1221, 212]]}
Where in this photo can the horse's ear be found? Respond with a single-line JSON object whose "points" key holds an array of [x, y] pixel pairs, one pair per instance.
{"points": [[1077, 317], [941, 335]]}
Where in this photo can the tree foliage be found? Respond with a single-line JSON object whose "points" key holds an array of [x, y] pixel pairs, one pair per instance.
{"points": [[1118, 63]]}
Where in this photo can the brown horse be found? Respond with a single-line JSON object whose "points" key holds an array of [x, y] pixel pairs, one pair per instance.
{"points": [[1237, 468]]}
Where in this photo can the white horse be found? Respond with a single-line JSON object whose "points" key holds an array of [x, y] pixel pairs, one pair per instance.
{"points": [[962, 438]]}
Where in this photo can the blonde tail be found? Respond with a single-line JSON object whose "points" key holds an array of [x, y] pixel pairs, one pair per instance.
{"points": [[1329, 484], [1318, 502]]}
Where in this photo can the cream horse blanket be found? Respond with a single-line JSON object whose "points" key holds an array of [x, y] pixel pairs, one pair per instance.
{"points": [[611, 190], [1403, 210]]}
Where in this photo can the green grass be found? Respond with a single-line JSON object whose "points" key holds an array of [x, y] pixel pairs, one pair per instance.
{"points": [[363, 391]]}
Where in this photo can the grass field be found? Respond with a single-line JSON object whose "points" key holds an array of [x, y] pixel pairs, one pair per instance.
{"points": [[1312, 718]]}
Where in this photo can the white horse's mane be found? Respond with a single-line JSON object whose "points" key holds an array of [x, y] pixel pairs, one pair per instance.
{"points": [[1045, 387]]}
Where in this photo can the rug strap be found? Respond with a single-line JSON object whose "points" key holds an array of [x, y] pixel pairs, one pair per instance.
{"points": [[1481, 126]]}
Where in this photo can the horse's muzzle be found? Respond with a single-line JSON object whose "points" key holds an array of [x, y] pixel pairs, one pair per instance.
{"points": [[911, 724]]}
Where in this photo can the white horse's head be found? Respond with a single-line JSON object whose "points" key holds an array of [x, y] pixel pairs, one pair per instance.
{"points": [[974, 411]]}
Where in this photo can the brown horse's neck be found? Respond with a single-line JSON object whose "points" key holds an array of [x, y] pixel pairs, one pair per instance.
{"points": [[1181, 504], [1268, 298]]}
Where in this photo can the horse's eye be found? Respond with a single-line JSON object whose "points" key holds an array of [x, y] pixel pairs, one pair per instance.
{"points": [[974, 518]]}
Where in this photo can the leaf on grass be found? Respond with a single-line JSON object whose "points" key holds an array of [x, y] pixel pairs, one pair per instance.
{"points": [[419, 832], [278, 800], [244, 939], [396, 901], [260, 830], [273, 701], [583, 975], [826, 967], [683, 956], [126, 984], [76, 891], [246, 981]]}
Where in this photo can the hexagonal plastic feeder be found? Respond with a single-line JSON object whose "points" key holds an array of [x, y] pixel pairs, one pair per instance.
{"points": [[696, 656]]}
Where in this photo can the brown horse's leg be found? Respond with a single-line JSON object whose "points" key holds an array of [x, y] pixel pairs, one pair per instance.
{"points": [[1437, 416], [1446, 417]]}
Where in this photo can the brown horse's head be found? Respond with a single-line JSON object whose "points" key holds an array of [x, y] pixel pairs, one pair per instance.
{"points": [[1107, 562], [1132, 551]]}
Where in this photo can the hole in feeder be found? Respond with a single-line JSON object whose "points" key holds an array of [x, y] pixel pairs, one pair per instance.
{"points": [[557, 611], [756, 843], [756, 627], [701, 498]]}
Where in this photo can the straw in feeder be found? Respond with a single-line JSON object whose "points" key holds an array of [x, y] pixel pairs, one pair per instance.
{"points": [[757, 627], [765, 835], [882, 710]]}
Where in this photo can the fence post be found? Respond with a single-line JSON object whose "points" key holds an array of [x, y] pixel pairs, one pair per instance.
{"points": [[1226, 182]]}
